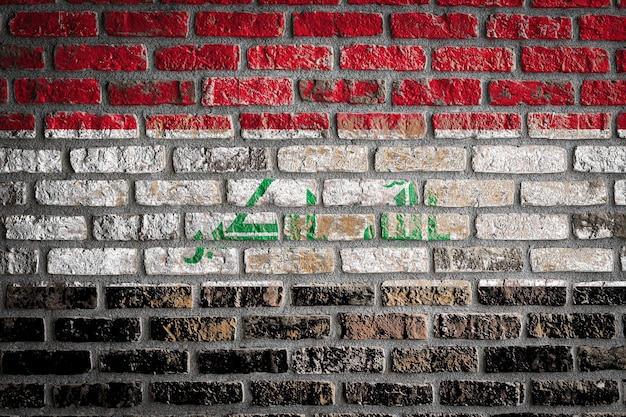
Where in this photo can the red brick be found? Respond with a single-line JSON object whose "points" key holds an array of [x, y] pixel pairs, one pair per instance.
{"points": [[17, 121], [282, 121], [110, 1], [243, 25], [4, 90], [518, 26], [54, 24], [621, 122], [451, 58], [299, 2], [247, 91], [534, 93], [389, 2], [482, 3], [208, 1], [603, 93], [60, 91], [378, 57], [329, 24], [191, 58], [26, 1], [290, 57], [147, 24], [569, 121], [86, 121], [151, 93], [566, 4], [100, 57], [602, 28], [441, 92], [621, 60], [429, 26], [343, 91], [564, 59], [477, 122], [21, 57], [171, 124], [375, 125]]}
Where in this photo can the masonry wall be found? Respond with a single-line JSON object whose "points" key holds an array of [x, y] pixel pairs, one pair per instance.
{"points": [[312, 207]]}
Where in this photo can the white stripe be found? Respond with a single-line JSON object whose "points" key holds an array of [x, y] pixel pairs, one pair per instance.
{"points": [[283, 134], [569, 133], [522, 282], [22, 134], [476, 133], [92, 133], [377, 134], [190, 133], [621, 133], [601, 284]]}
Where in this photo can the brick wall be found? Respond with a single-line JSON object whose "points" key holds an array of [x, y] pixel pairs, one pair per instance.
{"points": [[330, 208]]}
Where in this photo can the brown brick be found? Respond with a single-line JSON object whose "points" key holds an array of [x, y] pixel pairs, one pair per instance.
{"points": [[242, 294], [521, 292], [326, 294], [572, 326], [289, 260], [272, 393], [57, 296], [569, 393], [192, 329], [426, 292], [286, 327], [478, 259], [481, 393], [383, 326], [148, 296], [477, 326], [388, 394], [435, 359]]}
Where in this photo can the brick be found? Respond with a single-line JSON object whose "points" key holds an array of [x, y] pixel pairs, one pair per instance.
{"points": [[529, 359], [395, 326], [602, 28], [192, 329], [13, 395], [45, 228], [610, 159], [323, 159], [290, 57], [18, 261], [136, 227], [148, 296], [434, 359], [519, 159], [191, 261], [332, 24], [231, 226], [599, 293], [13, 193], [299, 2], [22, 329], [477, 326], [521, 292], [592, 358], [289, 260], [17, 125], [478, 259], [327, 294], [147, 24], [381, 126], [51, 296], [272, 191], [451, 58], [43, 362], [151, 93], [208, 1], [520, 27], [569, 393], [4, 90], [58, 91], [244, 294], [563, 193], [32, 161], [564, 59], [477, 125], [599, 225], [242, 361], [337, 359], [620, 56], [619, 189], [522, 226], [388, 394], [21, 57], [469, 193], [481, 3], [247, 91], [621, 125], [107, 330], [571, 260], [429, 26], [284, 125], [119, 159], [384, 260], [109, 395], [533, 93], [346, 192], [603, 93], [272, 393], [420, 159], [79, 125], [425, 293], [379, 57], [100, 57], [571, 326], [194, 58], [436, 92], [105, 261], [243, 25], [481, 393], [109, 1], [232, 159], [145, 361], [178, 193], [53, 24], [343, 91], [409, 226], [187, 126], [566, 4], [197, 393], [329, 227], [293, 327]]}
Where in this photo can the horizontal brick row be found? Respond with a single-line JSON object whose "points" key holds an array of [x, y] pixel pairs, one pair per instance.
{"points": [[541, 4]]}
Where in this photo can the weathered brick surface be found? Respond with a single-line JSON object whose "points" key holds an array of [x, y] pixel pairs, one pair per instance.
{"points": [[519, 160], [192, 329], [598, 225], [478, 259], [383, 260], [304, 260], [329, 227], [529, 359], [435, 359], [21, 329], [191, 261], [521, 292], [383, 326], [177, 193], [332, 360], [105, 193], [570, 326], [521, 226], [571, 260], [148, 296], [144, 361], [402, 226], [469, 193], [49, 296], [563, 193], [599, 292], [323, 159], [321, 294], [18, 261], [425, 292], [286, 327], [108, 261], [197, 393], [221, 160], [481, 393], [97, 330], [242, 294], [569, 393], [420, 159], [242, 361], [389, 394], [35, 362], [476, 326], [108, 395], [292, 393], [519, 27]]}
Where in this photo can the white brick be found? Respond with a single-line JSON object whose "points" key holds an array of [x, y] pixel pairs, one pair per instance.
{"points": [[519, 159], [469, 193], [282, 260], [323, 159], [82, 193], [329, 227], [522, 226], [571, 260], [46, 228], [32, 161], [384, 260], [350, 192], [234, 159], [191, 261], [178, 193], [18, 261], [231, 226], [610, 159], [79, 261], [620, 193], [131, 159], [418, 226], [418, 159], [279, 192], [563, 193], [136, 227]]}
